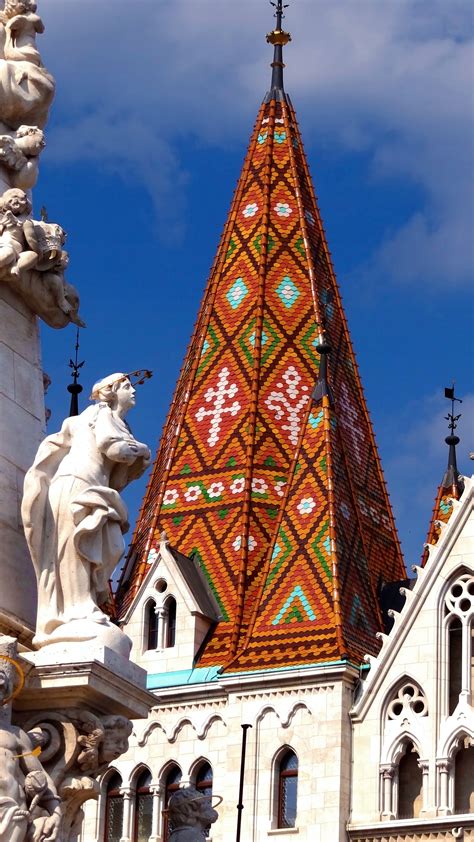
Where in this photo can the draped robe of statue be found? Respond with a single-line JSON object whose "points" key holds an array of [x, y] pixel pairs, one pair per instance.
{"points": [[74, 519]]}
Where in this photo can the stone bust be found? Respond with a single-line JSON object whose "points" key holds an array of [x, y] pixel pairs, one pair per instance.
{"points": [[190, 814]]}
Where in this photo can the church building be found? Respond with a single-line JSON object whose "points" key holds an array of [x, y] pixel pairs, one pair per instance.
{"points": [[300, 671]]}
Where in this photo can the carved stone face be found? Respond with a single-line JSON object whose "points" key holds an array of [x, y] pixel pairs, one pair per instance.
{"points": [[114, 744], [30, 139], [125, 395], [16, 201], [5, 684], [18, 7], [207, 814]]}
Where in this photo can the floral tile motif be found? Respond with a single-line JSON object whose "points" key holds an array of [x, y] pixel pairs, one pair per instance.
{"points": [[288, 292], [237, 293], [250, 210]]}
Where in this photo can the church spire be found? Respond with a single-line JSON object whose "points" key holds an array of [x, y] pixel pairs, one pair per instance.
{"points": [[452, 485], [279, 38], [451, 479], [279, 498]]}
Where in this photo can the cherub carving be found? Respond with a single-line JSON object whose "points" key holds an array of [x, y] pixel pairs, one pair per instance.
{"points": [[29, 806], [22, 24], [32, 260], [101, 741], [15, 208], [190, 814], [19, 157]]}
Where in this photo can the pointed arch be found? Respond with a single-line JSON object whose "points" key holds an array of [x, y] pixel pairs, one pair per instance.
{"points": [[285, 787], [170, 779], [171, 607], [143, 803], [150, 625], [410, 783], [113, 815]]}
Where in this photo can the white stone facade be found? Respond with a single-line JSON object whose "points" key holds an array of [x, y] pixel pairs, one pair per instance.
{"points": [[348, 752]]}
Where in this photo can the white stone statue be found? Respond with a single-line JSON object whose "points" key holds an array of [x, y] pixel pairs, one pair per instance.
{"points": [[19, 157], [29, 805], [190, 815], [26, 87], [74, 517], [22, 24]]}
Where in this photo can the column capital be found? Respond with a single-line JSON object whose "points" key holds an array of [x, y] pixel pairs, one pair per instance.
{"points": [[126, 791]]}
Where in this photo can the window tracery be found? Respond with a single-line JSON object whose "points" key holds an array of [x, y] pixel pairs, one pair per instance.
{"points": [[409, 701], [459, 629]]}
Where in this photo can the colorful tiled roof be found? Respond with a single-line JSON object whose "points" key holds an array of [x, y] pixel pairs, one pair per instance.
{"points": [[250, 477]]}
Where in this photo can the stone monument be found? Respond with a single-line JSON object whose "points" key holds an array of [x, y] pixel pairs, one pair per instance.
{"points": [[32, 284], [74, 517]]}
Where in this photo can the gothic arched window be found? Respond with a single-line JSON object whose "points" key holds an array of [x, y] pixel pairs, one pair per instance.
{"points": [[114, 809], [464, 779], [143, 807], [455, 662], [287, 770], [170, 636], [151, 625], [172, 780], [203, 782], [459, 618], [204, 779], [410, 782]]}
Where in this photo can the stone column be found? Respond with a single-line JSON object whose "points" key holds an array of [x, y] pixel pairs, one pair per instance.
{"points": [[444, 773], [155, 819], [127, 814], [388, 773], [161, 614], [22, 426], [424, 765]]}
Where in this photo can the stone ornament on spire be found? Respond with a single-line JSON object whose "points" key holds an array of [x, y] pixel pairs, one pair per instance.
{"points": [[32, 260]]}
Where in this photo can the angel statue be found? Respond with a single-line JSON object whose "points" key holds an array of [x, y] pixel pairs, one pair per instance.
{"points": [[74, 517]]}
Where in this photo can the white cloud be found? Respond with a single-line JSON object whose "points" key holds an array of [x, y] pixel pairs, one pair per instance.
{"points": [[388, 78]]}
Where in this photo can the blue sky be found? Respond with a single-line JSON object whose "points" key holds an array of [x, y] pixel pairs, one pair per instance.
{"points": [[154, 108]]}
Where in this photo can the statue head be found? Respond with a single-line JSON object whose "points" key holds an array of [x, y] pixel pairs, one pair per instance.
{"points": [[190, 808], [30, 139], [116, 390], [19, 7], [16, 201], [6, 684], [117, 730]]}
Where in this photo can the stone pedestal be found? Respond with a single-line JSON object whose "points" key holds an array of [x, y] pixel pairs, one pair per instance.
{"points": [[77, 706], [22, 427], [96, 678]]}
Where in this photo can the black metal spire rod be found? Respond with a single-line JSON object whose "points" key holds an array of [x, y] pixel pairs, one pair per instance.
{"points": [[278, 38], [75, 388], [240, 805], [451, 477]]}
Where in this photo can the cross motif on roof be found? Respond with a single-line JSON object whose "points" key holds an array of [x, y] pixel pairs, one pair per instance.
{"points": [[218, 397]]}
